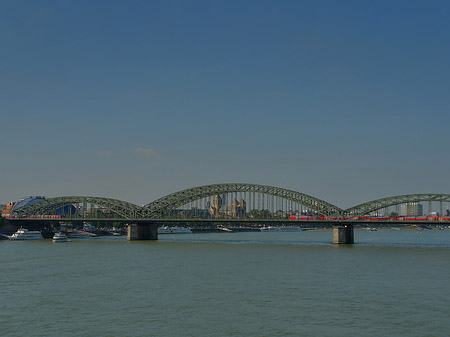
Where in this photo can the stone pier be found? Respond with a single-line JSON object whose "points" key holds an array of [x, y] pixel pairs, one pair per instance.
{"points": [[142, 231], [343, 234]]}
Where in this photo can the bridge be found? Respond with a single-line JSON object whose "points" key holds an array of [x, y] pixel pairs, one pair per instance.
{"points": [[224, 203]]}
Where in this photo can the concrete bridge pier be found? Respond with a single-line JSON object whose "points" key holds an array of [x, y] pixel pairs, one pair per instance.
{"points": [[343, 234], [143, 231]]}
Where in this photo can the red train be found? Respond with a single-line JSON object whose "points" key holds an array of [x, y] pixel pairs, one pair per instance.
{"points": [[371, 218], [33, 217]]}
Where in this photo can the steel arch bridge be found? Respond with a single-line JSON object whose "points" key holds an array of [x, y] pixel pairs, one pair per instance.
{"points": [[122, 209], [170, 202], [375, 205], [163, 206]]}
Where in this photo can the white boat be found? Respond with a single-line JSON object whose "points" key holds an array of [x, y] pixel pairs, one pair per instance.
{"points": [[174, 230], [59, 237], [281, 229], [25, 234]]}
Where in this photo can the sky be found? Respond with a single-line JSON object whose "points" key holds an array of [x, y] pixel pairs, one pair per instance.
{"points": [[348, 101]]}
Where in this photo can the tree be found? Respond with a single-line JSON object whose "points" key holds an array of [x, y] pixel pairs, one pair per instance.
{"points": [[259, 214]]}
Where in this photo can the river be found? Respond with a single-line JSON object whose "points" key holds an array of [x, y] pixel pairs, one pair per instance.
{"points": [[390, 283]]}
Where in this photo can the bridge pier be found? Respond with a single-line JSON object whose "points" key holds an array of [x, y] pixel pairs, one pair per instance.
{"points": [[343, 234], [142, 231]]}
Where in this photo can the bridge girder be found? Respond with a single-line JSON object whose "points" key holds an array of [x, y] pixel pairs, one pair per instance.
{"points": [[121, 208], [162, 206], [374, 205], [170, 202]]}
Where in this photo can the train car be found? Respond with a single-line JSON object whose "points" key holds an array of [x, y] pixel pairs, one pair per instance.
{"points": [[302, 217], [371, 218]]}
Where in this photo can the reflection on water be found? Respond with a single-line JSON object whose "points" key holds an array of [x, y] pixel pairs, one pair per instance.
{"points": [[229, 284]]}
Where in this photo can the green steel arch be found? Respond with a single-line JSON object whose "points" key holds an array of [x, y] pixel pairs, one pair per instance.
{"points": [[162, 206], [372, 206], [122, 209]]}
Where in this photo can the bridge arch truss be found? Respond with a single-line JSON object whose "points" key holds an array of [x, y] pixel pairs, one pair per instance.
{"points": [[122, 209], [163, 206], [384, 203]]}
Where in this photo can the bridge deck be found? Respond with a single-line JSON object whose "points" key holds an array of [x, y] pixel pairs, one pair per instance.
{"points": [[246, 221]]}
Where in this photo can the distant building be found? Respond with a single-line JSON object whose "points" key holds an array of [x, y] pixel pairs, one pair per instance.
{"points": [[219, 207], [6, 211], [236, 209], [412, 209], [215, 206], [11, 207], [434, 214]]}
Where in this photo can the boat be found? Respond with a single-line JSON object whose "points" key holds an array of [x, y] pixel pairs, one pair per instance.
{"points": [[25, 234], [281, 229], [60, 237], [79, 235], [174, 230]]}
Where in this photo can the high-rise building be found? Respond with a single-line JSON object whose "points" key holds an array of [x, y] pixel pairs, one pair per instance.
{"points": [[412, 209]]}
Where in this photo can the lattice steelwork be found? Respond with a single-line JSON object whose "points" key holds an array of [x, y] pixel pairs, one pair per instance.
{"points": [[375, 205], [163, 206], [120, 208], [265, 200]]}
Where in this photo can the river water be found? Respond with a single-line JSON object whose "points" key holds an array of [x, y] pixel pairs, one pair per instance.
{"points": [[390, 283]]}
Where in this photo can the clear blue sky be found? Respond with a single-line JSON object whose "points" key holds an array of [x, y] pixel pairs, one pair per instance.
{"points": [[348, 101]]}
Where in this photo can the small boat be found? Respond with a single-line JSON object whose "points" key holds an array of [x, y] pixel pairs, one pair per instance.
{"points": [[281, 229], [174, 230], [60, 237], [25, 234], [268, 229]]}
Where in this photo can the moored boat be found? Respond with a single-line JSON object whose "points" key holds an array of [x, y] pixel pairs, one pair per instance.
{"points": [[281, 229], [25, 234], [174, 230], [59, 237]]}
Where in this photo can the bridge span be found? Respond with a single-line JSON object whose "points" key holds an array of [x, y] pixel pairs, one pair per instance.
{"points": [[227, 203]]}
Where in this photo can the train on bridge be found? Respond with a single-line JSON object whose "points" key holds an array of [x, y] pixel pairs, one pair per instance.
{"points": [[8, 216], [371, 218], [302, 217]]}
